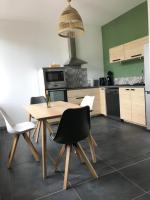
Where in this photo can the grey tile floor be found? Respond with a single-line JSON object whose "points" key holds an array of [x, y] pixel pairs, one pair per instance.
{"points": [[123, 166]]}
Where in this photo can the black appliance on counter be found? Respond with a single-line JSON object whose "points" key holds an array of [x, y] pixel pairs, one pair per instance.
{"points": [[96, 82], [110, 78], [103, 81], [112, 102]]}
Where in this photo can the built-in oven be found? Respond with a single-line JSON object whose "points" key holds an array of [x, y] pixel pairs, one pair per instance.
{"points": [[54, 78], [57, 94]]}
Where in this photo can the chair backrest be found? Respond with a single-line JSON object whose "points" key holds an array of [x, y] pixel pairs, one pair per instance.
{"points": [[37, 100], [74, 126], [9, 123], [88, 101]]}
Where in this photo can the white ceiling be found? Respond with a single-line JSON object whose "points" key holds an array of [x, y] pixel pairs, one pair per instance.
{"points": [[92, 11]]}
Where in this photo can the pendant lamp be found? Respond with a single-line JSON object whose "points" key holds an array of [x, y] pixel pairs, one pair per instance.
{"points": [[70, 23]]}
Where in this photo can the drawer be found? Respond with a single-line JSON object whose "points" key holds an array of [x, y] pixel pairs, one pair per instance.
{"points": [[82, 92]]}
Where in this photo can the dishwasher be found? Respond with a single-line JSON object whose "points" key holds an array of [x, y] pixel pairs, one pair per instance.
{"points": [[112, 102]]}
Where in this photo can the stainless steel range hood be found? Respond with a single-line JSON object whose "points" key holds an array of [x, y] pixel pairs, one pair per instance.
{"points": [[73, 60]]}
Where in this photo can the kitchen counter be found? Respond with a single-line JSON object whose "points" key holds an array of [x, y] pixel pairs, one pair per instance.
{"points": [[79, 88], [107, 86], [125, 86]]}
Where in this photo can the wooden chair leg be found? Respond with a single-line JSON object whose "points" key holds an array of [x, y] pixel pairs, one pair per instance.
{"points": [[30, 118], [79, 156], [68, 152], [92, 149], [87, 162], [49, 128], [37, 132], [29, 121], [32, 148], [93, 140], [13, 149], [61, 153]]}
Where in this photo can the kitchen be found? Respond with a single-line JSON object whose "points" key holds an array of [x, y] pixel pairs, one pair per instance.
{"points": [[33, 45], [116, 97]]}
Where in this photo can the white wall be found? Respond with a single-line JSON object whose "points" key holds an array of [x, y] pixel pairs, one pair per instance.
{"points": [[89, 48], [24, 48], [149, 15]]}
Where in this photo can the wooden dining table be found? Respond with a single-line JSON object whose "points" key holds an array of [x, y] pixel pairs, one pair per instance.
{"points": [[42, 113]]}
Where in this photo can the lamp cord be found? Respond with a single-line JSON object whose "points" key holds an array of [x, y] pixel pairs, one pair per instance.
{"points": [[69, 1]]}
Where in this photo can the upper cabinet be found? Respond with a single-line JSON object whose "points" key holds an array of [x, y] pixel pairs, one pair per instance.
{"points": [[135, 49], [128, 51], [116, 54]]}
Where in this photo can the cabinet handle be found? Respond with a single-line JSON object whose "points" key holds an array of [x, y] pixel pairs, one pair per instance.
{"points": [[133, 89], [79, 97], [136, 55], [116, 59], [127, 89]]}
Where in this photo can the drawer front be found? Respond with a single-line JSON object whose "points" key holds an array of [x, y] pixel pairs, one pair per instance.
{"points": [[82, 92]]}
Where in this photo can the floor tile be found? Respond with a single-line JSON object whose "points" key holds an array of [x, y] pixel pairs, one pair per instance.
{"points": [[139, 174], [63, 195], [27, 181], [143, 197], [109, 187]]}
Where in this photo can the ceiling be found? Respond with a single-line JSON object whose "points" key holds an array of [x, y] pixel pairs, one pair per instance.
{"points": [[93, 12]]}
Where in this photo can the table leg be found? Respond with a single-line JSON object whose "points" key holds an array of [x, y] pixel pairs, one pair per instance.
{"points": [[44, 158]]}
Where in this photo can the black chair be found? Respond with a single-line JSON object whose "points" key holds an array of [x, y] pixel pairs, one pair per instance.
{"points": [[74, 126], [37, 100]]}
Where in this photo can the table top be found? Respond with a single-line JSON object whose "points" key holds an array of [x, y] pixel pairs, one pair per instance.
{"points": [[56, 109]]}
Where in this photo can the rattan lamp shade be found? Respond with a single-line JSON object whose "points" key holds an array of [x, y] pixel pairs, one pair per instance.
{"points": [[70, 23]]}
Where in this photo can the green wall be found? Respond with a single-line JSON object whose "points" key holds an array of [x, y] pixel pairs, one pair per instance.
{"points": [[127, 27]]}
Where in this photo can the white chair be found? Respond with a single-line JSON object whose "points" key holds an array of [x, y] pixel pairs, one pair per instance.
{"points": [[89, 101], [16, 130]]}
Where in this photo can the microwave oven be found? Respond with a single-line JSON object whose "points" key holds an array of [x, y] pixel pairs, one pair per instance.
{"points": [[54, 78]]}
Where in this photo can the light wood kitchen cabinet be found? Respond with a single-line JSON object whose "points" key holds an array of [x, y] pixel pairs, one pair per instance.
{"points": [[76, 96], [125, 103], [132, 105], [138, 106], [116, 54], [103, 110], [135, 49], [128, 51]]}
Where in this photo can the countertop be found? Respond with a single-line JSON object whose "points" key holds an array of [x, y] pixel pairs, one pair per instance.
{"points": [[108, 86]]}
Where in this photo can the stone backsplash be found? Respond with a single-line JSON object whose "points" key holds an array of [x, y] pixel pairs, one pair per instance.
{"points": [[129, 80], [76, 77]]}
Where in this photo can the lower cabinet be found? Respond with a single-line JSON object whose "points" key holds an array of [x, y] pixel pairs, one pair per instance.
{"points": [[103, 110], [76, 96], [132, 105]]}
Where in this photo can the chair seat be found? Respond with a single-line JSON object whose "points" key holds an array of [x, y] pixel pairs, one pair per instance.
{"points": [[23, 127]]}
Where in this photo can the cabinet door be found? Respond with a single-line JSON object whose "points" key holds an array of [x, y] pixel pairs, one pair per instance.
{"points": [[125, 103], [102, 101], [135, 49], [116, 54], [138, 106]]}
